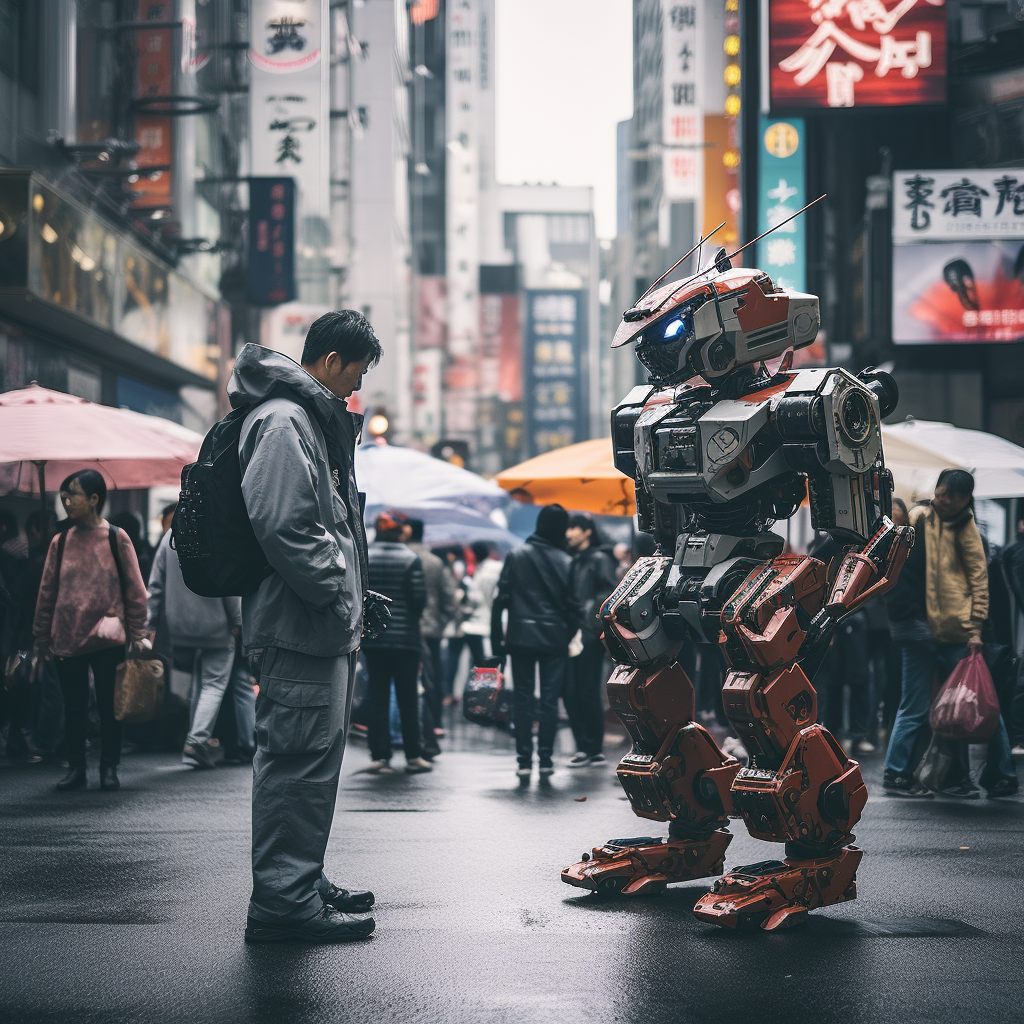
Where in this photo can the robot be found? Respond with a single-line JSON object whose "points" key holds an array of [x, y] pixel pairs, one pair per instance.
{"points": [[720, 448]]}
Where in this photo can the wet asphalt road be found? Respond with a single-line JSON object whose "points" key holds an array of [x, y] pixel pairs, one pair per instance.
{"points": [[130, 907]]}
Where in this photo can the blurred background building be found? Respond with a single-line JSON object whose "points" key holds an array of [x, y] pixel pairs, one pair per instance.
{"points": [[180, 177]]}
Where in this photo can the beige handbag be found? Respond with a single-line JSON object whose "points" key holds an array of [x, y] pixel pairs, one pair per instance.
{"points": [[138, 689]]}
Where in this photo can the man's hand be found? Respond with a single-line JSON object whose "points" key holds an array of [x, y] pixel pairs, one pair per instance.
{"points": [[376, 614], [44, 650], [140, 647]]}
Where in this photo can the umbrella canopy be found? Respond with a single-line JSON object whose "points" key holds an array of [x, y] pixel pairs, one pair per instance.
{"points": [[67, 433], [422, 486], [581, 476], [918, 450]]}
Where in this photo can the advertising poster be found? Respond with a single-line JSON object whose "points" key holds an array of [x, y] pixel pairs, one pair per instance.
{"points": [[837, 53], [958, 292], [554, 400], [431, 312], [782, 191]]}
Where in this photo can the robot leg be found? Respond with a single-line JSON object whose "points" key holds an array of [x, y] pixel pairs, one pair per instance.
{"points": [[676, 773], [809, 800]]}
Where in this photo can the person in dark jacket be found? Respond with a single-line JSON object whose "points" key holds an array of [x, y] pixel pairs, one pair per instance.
{"points": [[593, 574], [536, 589], [1011, 560], [394, 656]]}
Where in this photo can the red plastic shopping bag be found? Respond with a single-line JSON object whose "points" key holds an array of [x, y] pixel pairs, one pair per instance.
{"points": [[967, 708]]}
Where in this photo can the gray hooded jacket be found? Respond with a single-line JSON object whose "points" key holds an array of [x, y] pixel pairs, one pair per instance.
{"points": [[298, 480]]}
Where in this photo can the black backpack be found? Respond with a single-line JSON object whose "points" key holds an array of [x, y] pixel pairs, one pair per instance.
{"points": [[217, 548]]}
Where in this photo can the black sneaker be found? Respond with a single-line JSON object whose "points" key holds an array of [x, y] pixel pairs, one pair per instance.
{"points": [[328, 926], [897, 784], [546, 768], [348, 901], [965, 790], [1004, 787]]}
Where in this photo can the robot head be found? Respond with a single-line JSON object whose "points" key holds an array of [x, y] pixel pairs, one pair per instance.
{"points": [[717, 323]]}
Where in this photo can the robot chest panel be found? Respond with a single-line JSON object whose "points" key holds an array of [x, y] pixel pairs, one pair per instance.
{"points": [[702, 449]]}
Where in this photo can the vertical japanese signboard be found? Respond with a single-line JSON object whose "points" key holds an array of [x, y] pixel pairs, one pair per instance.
{"points": [[153, 80], [782, 192], [553, 392], [462, 231], [864, 53], [958, 256], [288, 97], [682, 117], [271, 241]]}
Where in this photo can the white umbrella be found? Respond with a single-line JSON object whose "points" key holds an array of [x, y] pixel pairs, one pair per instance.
{"points": [[918, 450], [415, 483]]}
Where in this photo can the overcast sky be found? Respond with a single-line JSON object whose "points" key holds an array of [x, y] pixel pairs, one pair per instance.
{"points": [[564, 78]]}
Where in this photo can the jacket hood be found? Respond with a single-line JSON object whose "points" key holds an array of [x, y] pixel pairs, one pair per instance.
{"points": [[262, 373], [542, 542]]}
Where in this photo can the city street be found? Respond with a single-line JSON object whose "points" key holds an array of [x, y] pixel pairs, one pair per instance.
{"points": [[131, 906]]}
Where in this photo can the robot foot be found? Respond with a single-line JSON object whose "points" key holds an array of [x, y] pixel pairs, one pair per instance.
{"points": [[643, 866], [778, 894]]}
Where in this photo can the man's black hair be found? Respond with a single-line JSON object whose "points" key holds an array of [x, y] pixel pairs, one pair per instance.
{"points": [[899, 501], [345, 331], [8, 524], [91, 483], [481, 550], [416, 526], [957, 482], [169, 510]]}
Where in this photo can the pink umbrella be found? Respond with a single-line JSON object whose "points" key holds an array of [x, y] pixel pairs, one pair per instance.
{"points": [[47, 435]]}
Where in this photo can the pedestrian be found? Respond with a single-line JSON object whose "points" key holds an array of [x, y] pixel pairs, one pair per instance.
{"points": [[91, 612], [956, 606], [167, 516], [458, 638], [593, 579], [202, 632], [623, 554], [129, 522], [1011, 560], [438, 611], [394, 656], [302, 627], [482, 587], [535, 588]]}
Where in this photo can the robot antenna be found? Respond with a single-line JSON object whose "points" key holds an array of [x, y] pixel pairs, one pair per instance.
{"points": [[676, 264]]}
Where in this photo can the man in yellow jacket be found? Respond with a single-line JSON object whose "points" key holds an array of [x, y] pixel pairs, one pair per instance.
{"points": [[956, 605]]}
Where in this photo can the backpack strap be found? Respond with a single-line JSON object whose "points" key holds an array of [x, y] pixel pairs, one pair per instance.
{"points": [[61, 541], [112, 537]]}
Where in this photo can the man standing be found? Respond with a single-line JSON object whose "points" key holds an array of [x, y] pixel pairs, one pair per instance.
{"points": [[535, 587], [438, 612], [302, 627], [394, 657], [593, 574], [203, 629]]}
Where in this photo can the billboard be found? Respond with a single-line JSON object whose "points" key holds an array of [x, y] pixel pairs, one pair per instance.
{"points": [[782, 191], [949, 205], [863, 53], [553, 375], [271, 241], [153, 48], [958, 292], [682, 118]]}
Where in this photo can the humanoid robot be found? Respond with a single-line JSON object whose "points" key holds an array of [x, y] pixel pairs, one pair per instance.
{"points": [[720, 448]]}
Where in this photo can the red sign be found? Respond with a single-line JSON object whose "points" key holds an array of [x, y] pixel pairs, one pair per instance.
{"points": [[857, 53], [153, 133]]}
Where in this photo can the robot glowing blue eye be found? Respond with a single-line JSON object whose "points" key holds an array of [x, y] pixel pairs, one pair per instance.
{"points": [[672, 328]]}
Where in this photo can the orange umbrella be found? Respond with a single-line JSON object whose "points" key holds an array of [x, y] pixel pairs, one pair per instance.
{"points": [[582, 477]]}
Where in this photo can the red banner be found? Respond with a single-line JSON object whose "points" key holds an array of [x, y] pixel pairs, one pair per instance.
{"points": [[863, 53], [153, 47]]}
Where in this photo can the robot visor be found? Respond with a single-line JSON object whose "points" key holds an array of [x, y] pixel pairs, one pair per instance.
{"points": [[665, 344]]}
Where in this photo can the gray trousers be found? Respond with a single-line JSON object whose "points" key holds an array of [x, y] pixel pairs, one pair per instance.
{"points": [[211, 673], [302, 717]]}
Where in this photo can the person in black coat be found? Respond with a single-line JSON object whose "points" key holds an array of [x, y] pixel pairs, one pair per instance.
{"points": [[594, 579], [394, 654], [536, 588]]}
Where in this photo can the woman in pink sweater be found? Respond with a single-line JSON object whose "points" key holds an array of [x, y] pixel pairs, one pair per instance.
{"points": [[92, 602]]}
